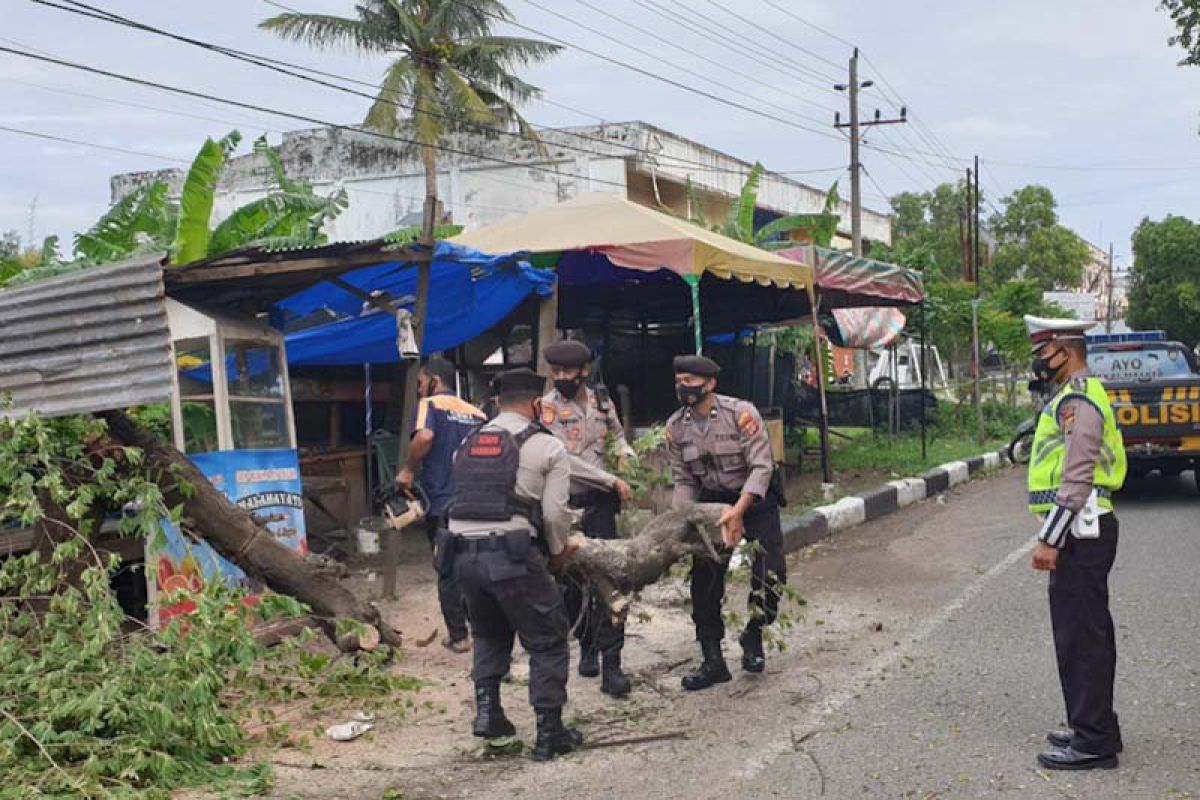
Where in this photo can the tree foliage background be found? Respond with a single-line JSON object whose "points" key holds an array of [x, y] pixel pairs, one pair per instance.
{"points": [[1164, 284]]}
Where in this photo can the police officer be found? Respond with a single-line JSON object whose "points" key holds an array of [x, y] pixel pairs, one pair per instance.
{"points": [[585, 420], [443, 421], [511, 489], [720, 453], [1076, 464]]}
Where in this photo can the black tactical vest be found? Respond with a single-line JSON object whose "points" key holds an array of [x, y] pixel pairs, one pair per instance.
{"points": [[485, 476]]}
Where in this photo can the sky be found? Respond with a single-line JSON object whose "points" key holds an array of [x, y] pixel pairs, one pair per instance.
{"points": [[1083, 96]]}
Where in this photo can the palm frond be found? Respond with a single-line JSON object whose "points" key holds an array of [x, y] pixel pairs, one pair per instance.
{"points": [[395, 95], [329, 31], [463, 98]]}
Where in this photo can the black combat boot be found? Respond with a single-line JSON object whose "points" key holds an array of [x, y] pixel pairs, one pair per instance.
{"points": [[589, 662], [712, 669], [490, 722], [554, 738], [613, 681], [753, 658]]}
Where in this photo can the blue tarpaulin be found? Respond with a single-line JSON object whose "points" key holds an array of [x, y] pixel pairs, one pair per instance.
{"points": [[469, 293]]}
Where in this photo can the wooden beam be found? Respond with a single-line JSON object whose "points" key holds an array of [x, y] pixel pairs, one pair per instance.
{"points": [[201, 273]]}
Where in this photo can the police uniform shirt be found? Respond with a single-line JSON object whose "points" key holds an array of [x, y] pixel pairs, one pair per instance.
{"points": [[584, 428], [1082, 425], [543, 474], [729, 451], [449, 419]]}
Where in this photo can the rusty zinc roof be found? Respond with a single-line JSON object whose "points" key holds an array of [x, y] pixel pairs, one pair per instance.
{"points": [[86, 341]]}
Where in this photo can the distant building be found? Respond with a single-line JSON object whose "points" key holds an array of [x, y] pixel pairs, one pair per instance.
{"points": [[509, 176]]}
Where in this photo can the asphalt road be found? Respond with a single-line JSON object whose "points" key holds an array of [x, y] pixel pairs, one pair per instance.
{"points": [[961, 712], [923, 669]]}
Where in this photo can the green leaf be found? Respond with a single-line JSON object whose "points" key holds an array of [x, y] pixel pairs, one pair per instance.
{"points": [[196, 200]]}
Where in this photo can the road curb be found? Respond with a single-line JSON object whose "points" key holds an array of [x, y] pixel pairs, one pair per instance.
{"points": [[823, 521]]}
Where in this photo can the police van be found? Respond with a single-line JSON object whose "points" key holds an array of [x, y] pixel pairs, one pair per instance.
{"points": [[1154, 386]]}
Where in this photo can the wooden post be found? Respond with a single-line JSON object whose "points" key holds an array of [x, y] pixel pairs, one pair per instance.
{"points": [[823, 421], [547, 328]]}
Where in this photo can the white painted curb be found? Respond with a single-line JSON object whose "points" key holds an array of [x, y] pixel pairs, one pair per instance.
{"points": [[908, 491], [958, 471], [845, 513]]}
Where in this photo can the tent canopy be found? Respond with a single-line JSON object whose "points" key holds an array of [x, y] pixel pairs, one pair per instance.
{"points": [[637, 238], [469, 293], [845, 281]]}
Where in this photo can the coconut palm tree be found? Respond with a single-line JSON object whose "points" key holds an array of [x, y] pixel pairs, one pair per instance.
{"points": [[448, 72]]}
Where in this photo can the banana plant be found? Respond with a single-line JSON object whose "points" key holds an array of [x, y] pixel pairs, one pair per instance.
{"points": [[192, 234], [819, 228], [292, 215]]}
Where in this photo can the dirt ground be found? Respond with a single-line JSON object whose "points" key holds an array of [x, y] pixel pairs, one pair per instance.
{"points": [[422, 739]]}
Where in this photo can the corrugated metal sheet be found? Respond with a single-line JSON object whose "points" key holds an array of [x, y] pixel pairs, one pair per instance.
{"points": [[86, 341]]}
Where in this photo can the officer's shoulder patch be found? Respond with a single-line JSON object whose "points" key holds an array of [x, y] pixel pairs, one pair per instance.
{"points": [[748, 423], [549, 414], [1067, 418]]}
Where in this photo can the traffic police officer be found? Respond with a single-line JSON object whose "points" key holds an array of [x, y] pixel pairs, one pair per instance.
{"points": [[585, 420], [1076, 464], [720, 453], [511, 489]]}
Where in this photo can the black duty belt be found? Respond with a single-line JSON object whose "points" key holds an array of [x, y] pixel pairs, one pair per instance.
{"points": [[478, 544]]}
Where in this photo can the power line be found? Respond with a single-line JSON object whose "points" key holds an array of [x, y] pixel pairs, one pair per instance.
{"points": [[779, 38], [725, 37], [279, 66], [660, 78], [300, 117], [700, 56], [132, 104], [812, 25], [661, 60], [94, 145]]}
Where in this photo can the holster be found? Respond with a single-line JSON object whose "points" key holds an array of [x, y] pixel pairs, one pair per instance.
{"points": [[517, 544], [443, 553], [775, 489]]}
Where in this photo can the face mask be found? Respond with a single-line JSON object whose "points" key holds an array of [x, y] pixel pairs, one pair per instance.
{"points": [[690, 395], [1043, 369], [568, 387]]}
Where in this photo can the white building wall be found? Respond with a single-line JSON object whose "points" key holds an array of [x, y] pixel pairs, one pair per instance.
{"points": [[386, 185]]}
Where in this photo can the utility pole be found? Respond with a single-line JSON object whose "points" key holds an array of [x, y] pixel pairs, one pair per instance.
{"points": [[1108, 314], [856, 125], [972, 271]]}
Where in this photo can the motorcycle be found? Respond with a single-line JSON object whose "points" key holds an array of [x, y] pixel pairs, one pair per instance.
{"points": [[1021, 446]]}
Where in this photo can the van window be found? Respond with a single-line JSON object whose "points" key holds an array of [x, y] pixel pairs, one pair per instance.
{"points": [[1140, 366]]}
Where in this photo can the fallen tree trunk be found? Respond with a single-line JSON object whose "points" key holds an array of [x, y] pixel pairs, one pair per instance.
{"points": [[619, 568], [234, 534]]}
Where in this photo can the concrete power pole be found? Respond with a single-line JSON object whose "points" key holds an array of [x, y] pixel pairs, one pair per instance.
{"points": [[855, 126], [855, 163], [1108, 314]]}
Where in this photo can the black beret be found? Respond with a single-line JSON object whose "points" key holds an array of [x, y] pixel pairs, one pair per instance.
{"points": [[518, 382], [567, 354], [697, 365]]}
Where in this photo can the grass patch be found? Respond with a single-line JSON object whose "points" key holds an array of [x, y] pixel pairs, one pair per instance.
{"points": [[901, 455]]}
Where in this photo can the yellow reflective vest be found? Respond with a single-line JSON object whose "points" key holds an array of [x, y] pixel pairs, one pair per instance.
{"points": [[1050, 448]]}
